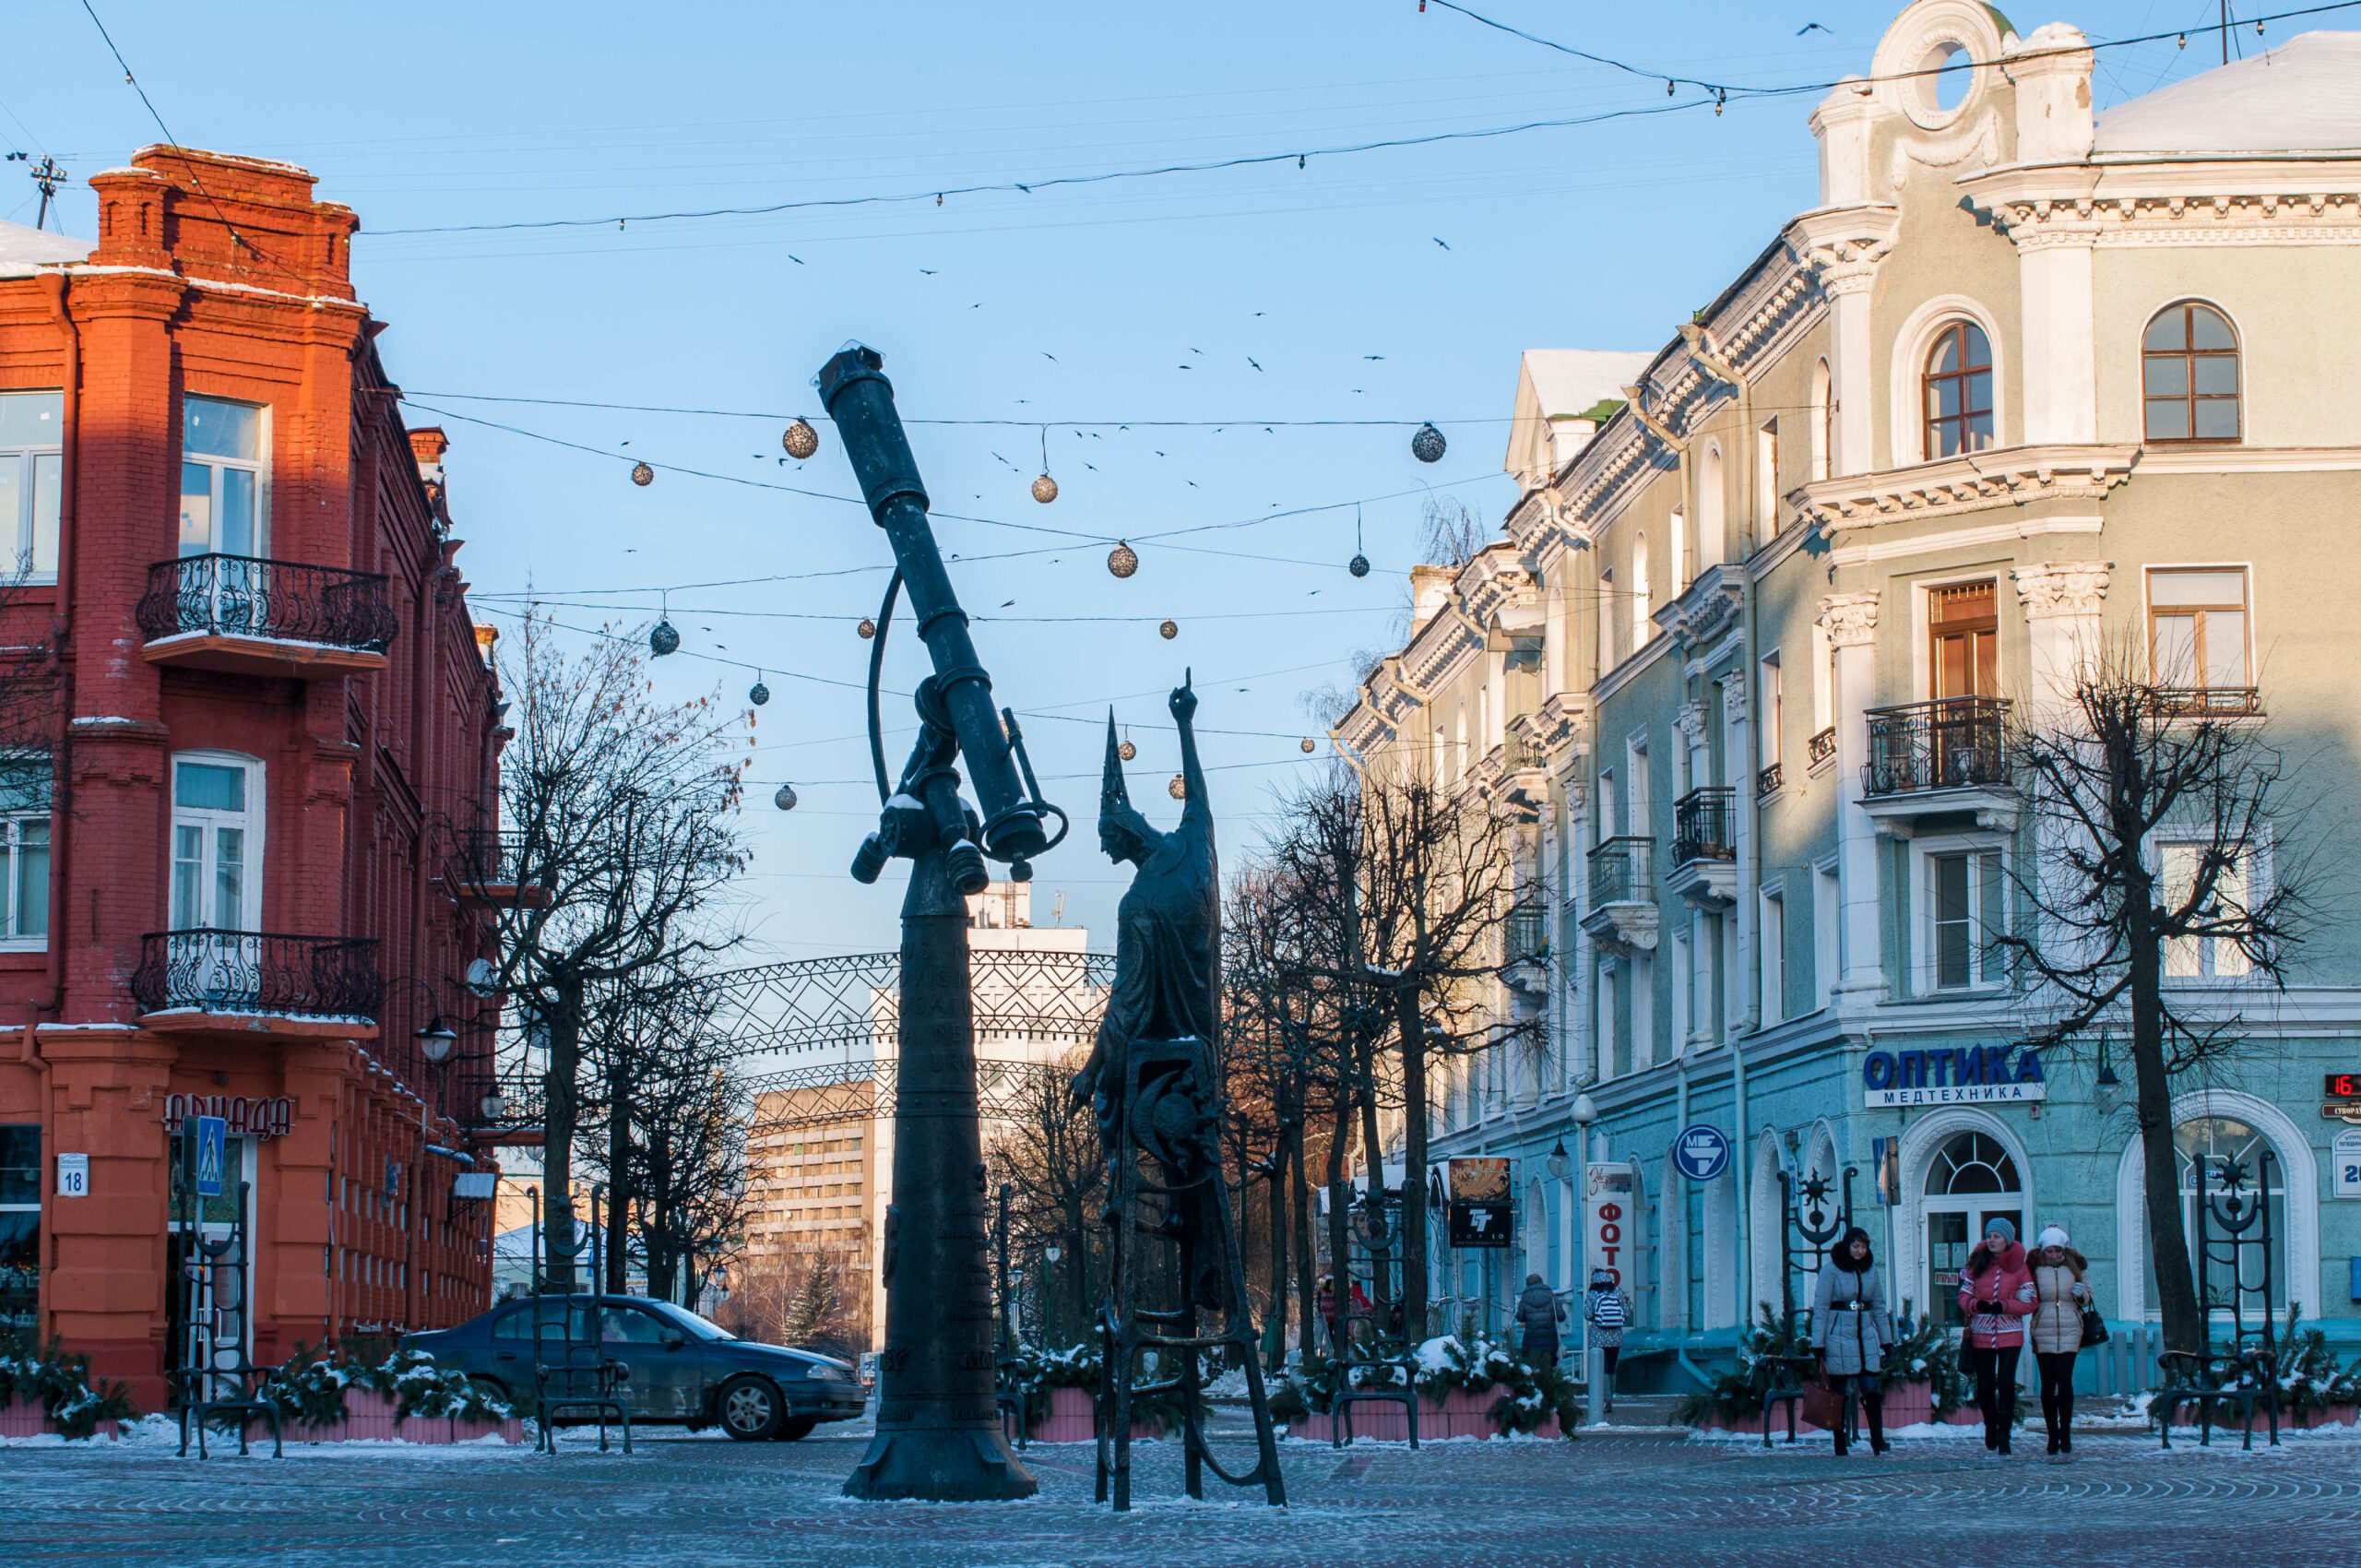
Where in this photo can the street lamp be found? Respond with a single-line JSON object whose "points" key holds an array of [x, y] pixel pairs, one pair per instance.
{"points": [[435, 1039], [495, 1106], [2107, 1090], [1558, 1164]]}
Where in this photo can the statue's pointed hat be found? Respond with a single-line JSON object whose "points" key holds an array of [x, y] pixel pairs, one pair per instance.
{"points": [[1113, 796]]}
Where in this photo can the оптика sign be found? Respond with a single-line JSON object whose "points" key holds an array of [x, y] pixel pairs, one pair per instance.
{"points": [[1967, 1074]]}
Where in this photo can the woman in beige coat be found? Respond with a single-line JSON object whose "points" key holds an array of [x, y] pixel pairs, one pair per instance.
{"points": [[2057, 1329]]}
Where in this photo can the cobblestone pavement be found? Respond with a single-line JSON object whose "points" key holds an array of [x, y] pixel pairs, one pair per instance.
{"points": [[1633, 1499]]}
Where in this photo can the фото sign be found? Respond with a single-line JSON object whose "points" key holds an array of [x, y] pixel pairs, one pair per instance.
{"points": [[1702, 1153], [1607, 1219], [1967, 1074], [1482, 1211]]}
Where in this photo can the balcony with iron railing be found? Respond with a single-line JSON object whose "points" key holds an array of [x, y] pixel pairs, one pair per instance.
{"points": [[488, 868], [1622, 912], [2209, 702], [1946, 755], [257, 982], [1767, 782], [1705, 847], [252, 616], [1525, 934], [1821, 749]]}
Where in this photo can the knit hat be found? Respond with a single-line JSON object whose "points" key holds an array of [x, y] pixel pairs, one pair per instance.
{"points": [[1996, 1226], [1532, 1279], [2052, 1236]]}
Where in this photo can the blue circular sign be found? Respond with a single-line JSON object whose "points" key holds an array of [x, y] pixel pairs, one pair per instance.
{"points": [[1702, 1153]]}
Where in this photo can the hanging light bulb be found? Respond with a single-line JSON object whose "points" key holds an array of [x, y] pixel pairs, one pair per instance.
{"points": [[785, 799], [1359, 565], [1308, 747], [663, 639], [1179, 788], [868, 629], [1045, 489], [1428, 445], [801, 440], [642, 475], [758, 694], [1168, 631], [1127, 751], [1122, 561]]}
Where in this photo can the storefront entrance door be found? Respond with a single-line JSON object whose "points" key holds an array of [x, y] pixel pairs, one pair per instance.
{"points": [[1970, 1183]]}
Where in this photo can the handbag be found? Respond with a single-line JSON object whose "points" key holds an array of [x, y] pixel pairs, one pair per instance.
{"points": [[2094, 1329]]}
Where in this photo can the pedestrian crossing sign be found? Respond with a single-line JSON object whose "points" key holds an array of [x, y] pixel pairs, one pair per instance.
{"points": [[212, 1154]]}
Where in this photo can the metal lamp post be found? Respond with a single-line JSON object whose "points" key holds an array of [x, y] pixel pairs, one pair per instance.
{"points": [[939, 1433], [1594, 1362]]}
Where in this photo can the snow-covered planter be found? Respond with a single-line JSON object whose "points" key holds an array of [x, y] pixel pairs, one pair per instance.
{"points": [[1478, 1389], [1071, 1417], [46, 1390], [406, 1397]]}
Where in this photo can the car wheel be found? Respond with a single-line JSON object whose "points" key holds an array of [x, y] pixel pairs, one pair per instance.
{"points": [[796, 1430], [751, 1408], [490, 1387]]}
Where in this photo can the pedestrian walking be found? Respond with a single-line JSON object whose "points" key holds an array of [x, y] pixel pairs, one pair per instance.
{"points": [[1851, 1333], [1607, 1311], [1996, 1296], [1538, 1315], [1324, 1305], [2059, 1297]]}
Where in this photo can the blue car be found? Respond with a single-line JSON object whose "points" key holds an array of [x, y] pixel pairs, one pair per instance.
{"points": [[683, 1369]]}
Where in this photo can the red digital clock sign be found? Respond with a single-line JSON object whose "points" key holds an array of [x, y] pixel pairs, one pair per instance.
{"points": [[2343, 1086]]}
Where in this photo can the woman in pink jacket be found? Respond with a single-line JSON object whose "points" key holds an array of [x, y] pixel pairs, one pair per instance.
{"points": [[1996, 1296]]}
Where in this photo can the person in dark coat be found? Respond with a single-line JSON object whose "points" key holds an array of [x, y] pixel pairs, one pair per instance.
{"points": [[1539, 1316], [1851, 1333]]}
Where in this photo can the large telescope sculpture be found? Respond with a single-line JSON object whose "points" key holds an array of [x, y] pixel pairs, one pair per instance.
{"points": [[938, 1428]]}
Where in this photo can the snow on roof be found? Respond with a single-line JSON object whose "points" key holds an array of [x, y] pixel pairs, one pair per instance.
{"points": [[22, 249], [1556, 384], [2304, 96]]}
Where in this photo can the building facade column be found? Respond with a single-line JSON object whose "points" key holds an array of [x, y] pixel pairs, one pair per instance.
{"points": [[1851, 621], [1737, 948], [2061, 602]]}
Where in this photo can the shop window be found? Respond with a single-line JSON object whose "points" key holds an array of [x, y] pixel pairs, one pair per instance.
{"points": [[19, 1226], [2218, 1147], [1958, 390], [24, 851], [32, 470], [222, 478], [2189, 375]]}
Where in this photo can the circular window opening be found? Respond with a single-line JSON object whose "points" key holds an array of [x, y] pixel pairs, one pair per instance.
{"points": [[1945, 75]]}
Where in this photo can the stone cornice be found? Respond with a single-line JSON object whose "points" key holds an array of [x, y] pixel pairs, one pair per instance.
{"points": [[2308, 199], [1844, 245], [2011, 476], [2061, 588], [1706, 609], [1560, 719], [1496, 588]]}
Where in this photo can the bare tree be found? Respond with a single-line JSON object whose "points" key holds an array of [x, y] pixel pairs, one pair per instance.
{"points": [[2160, 830], [618, 825], [1449, 534], [1048, 1154]]}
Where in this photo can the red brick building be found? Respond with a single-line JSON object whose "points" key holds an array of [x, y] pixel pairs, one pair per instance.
{"points": [[248, 744]]}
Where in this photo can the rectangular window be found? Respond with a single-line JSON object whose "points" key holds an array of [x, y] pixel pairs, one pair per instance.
{"points": [[1774, 957], [1826, 934], [1766, 481], [1606, 621], [2197, 629], [217, 834], [2201, 957], [1965, 623], [1963, 897], [23, 849], [19, 1226], [32, 473], [221, 478], [1772, 713]]}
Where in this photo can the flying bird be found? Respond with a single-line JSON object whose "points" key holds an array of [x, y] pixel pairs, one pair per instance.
{"points": [[1009, 602], [929, 271], [1372, 356], [1439, 241], [797, 259], [1188, 367], [1048, 356], [977, 305], [1250, 359], [1814, 27]]}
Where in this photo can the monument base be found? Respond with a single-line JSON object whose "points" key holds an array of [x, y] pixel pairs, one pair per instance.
{"points": [[961, 1464]]}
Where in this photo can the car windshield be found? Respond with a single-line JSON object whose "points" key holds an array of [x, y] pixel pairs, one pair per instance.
{"points": [[689, 1321]]}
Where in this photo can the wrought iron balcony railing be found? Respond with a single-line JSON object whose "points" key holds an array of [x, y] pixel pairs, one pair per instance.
{"points": [[489, 859], [253, 972], [2209, 702], [1704, 824], [238, 596], [1946, 744], [1525, 934], [1767, 782], [1623, 871], [1822, 746]]}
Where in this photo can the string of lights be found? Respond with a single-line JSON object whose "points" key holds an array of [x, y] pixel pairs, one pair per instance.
{"points": [[1717, 96]]}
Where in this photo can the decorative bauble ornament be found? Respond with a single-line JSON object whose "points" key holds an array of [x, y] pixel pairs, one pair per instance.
{"points": [[1308, 747], [1127, 751], [1045, 489], [801, 440], [1168, 631], [785, 799], [641, 474], [1358, 566], [1428, 445], [758, 694], [1122, 560], [1179, 787], [868, 629], [663, 639]]}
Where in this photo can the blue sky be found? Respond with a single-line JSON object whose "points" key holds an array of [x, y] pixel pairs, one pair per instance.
{"points": [[1396, 285]]}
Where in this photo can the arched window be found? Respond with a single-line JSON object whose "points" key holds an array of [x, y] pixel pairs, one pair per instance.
{"points": [[1710, 503], [2220, 1148], [1641, 625], [1958, 381], [1970, 1181], [1823, 423], [2189, 375]]}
